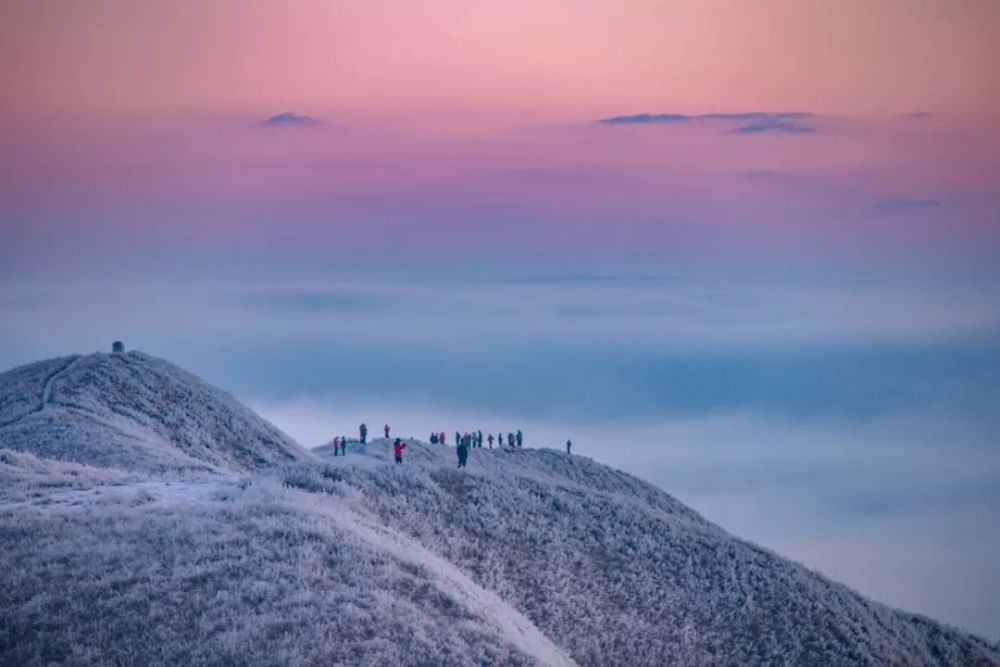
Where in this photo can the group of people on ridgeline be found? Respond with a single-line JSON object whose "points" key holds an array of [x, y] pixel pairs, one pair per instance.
{"points": [[475, 440], [463, 442]]}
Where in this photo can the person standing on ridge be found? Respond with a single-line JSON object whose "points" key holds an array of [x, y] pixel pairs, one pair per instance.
{"points": [[510, 440], [336, 445], [441, 438], [479, 436], [343, 445], [520, 438], [363, 430], [397, 449], [569, 446], [463, 454], [490, 440], [387, 430]]}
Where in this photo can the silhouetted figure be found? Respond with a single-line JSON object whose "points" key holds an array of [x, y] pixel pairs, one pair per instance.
{"points": [[387, 430], [363, 430], [434, 438], [489, 439], [569, 446], [463, 454], [510, 440], [336, 445], [397, 449], [343, 446], [520, 438]]}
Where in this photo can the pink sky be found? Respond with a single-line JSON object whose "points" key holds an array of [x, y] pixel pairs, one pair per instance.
{"points": [[476, 122], [574, 57]]}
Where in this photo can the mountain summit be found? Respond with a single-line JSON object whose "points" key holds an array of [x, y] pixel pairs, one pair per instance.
{"points": [[147, 518], [135, 412]]}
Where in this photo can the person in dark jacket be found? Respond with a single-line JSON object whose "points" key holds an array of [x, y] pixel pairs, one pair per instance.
{"points": [[363, 430], [489, 439], [569, 446], [386, 430], [397, 450], [520, 438], [336, 445], [463, 453], [510, 439], [343, 446], [434, 438]]}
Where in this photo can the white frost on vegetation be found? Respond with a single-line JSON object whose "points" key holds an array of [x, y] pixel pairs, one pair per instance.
{"points": [[146, 518]]}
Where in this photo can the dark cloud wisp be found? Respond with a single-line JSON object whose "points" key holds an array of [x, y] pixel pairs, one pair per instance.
{"points": [[290, 119], [907, 204], [753, 122]]}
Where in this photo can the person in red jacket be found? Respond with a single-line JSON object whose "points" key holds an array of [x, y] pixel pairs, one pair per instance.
{"points": [[387, 430], [398, 448]]}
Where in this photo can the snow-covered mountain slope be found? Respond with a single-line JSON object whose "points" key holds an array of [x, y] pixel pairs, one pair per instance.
{"points": [[618, 572], [133, 411], [525, 557]]}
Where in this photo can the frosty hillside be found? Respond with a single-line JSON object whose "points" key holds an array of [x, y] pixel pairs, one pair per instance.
{"points": [[148, 518]]}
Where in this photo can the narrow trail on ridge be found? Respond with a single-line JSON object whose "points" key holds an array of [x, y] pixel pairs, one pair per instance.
{"points": [[46, 396]]}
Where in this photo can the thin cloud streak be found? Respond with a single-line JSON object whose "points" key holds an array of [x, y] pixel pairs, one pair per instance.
{"points": [[785, 122], [290, 119]]}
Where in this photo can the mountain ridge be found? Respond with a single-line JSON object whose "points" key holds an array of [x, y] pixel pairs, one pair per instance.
{"points": [[151, 550]]}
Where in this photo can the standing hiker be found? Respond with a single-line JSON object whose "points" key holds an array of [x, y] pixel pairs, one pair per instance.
{"points": [[463, 454], [569, 446], [510, 440], [490, 440], [520, 438], [363, 430], [336, 445], [386, 430], [397, 449], [343, 446]]}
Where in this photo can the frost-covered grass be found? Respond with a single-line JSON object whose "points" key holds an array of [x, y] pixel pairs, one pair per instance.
{"points": [[620, 573], [196, 533], [253, 579], [134, 411]]}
